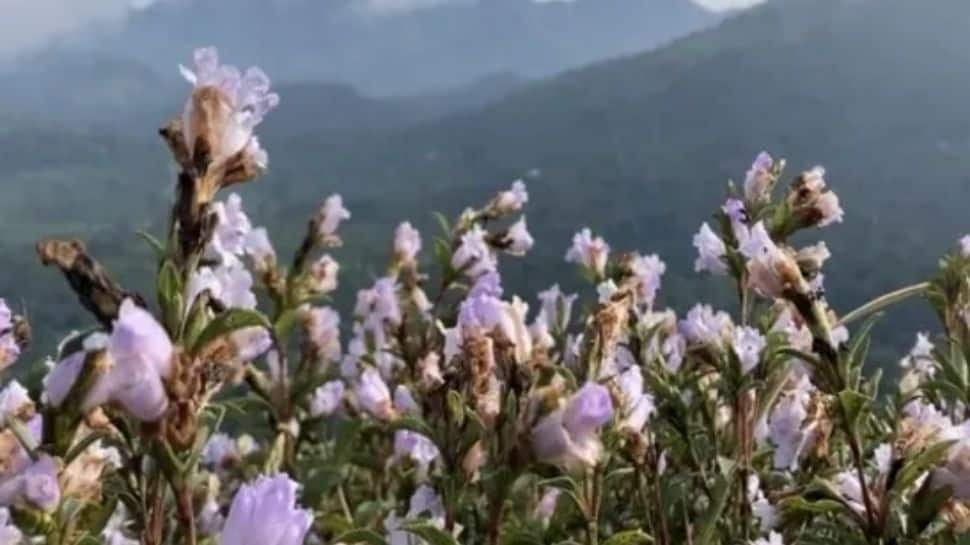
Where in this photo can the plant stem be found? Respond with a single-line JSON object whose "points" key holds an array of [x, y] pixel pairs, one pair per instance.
{"points": [[884, 301]]}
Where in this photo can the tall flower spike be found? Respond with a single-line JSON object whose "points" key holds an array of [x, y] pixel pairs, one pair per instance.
{"points": [[222, 112]]}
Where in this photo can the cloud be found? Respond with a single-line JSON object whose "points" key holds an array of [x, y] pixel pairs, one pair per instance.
{"points": [[720, 5], [390, 7], [30, 24]]}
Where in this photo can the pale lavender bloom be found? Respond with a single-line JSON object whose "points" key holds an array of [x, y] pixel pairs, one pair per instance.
{"points": [[605, 291], [6, 316], [774, 538], [424, 504], [327, 399], [221, 450], [883, 456], [920, 359], [759, 242], [489, 284], [323, 332], [591, 253], [378, 306], [710, 250], [557, 307], [330, 216], [851, 490], [827, 203], [748, 343], [569, 436], [674, 347], [259, 248], [62, 376], [648, 270], [9, 349], [636, 406], [703, 326], [250, 343], [542, 338], [770, 268], [734, 209], [453, 342], [546, 507], [965, 246], [407, 243], [265, 512], [13, 398], [373, 395], [415, 447], [231, 232], [35, 485], [761, 508], [323, 275], [9, 533], [230, 284], [757, 180], [517, 239], [243, 100], [787, 429], [955, 471], [513, 199], [404, 401], [210, 519], [473, 256]]}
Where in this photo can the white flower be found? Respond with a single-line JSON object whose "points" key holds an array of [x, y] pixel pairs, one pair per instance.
{"points": [[884, 457], [513, 199], [224, 108], [774, 538], [407, 243], [557, 307], [591, 253], [965, 246], [748, 343], [220, 451], [648, 270], [378, 307], [703, 326], [250, 343], [605, 291], [851, 490], [674, 347], [517, 240], [329, 217], [763, 510], [920, 359], [710, 250], [259, 248], [473, 256], [14, 398], [771, 270], [787, 428], [230, 284], [327, 398]]}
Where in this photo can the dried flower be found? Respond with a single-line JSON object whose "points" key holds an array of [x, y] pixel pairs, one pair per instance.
{"points": [[812, 203]]}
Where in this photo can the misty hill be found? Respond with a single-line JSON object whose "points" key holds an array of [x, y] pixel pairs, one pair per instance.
{"points": [[400, 52], [638, 148]]}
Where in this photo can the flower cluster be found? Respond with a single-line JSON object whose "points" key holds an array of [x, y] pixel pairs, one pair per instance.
{"points": [[442, 409]]}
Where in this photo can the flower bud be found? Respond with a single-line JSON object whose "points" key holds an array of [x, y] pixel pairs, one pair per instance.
{"points": [[591, 253], [759, 179], [407, 243], [511, 200]]}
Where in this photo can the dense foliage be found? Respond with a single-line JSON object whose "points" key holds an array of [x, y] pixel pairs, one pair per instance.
{"points": [[236, 414]]}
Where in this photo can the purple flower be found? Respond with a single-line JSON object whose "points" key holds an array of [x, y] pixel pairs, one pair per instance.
{"points": [[758, 180], [407, 243], [322, 327], [636, 406], [250, 343], [513, 199], [711, 250], [648, 270], [415, 447], [265, 512], [259, 248], [703, 326], [473, 256], [557, 308], [569, 436], [225, 108], [330, 216], [589, 408], [35, 485], [9, 533], [748, 343], [591, 253], [404, 401], [373, 395], [232, 230], [517, 240], [327, 398]]}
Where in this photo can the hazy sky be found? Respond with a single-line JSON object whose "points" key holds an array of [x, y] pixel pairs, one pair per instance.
{"points": [[27, 24]]}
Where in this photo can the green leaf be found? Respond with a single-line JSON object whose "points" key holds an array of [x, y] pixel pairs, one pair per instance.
{"points": [[170, 295], [456, 407], [629, 537], [430, 533], [443, 223], [411, 423], [719, 500], [360, 535], [916, 465], [155, 244], [854, 405], [798, 504], [228, 322]]}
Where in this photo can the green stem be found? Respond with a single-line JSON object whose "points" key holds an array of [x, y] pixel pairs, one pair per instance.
{"points": [[884, 301]]}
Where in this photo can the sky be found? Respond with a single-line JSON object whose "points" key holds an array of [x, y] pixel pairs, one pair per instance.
{"points": [[29, 24]]}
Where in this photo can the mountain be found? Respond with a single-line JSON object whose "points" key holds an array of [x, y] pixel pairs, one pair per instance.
{"points": [[400, 52], [638, 148]]}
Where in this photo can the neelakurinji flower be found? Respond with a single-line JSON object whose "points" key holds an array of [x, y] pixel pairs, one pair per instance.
{"points": [[323, 275], [230, 284], [373, 395], [704, 326], [9, 347], [329, 218], [265, 512], [772, 270], [512, 199], [759, 179], [748, 343], [556, 308], [407, 243], [260, 250], [517, 241], [812, 202], [591, 253], [223, 110], [9, 533], [965, 246], [648, 270], [710, 251], [138, 358], [774, 538], [636, 406], [415, 447], [570, 435], [327, 399], [35, 485], [789, 428], [920, 364], [473, 257], [232, 229], [321, 326]]}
